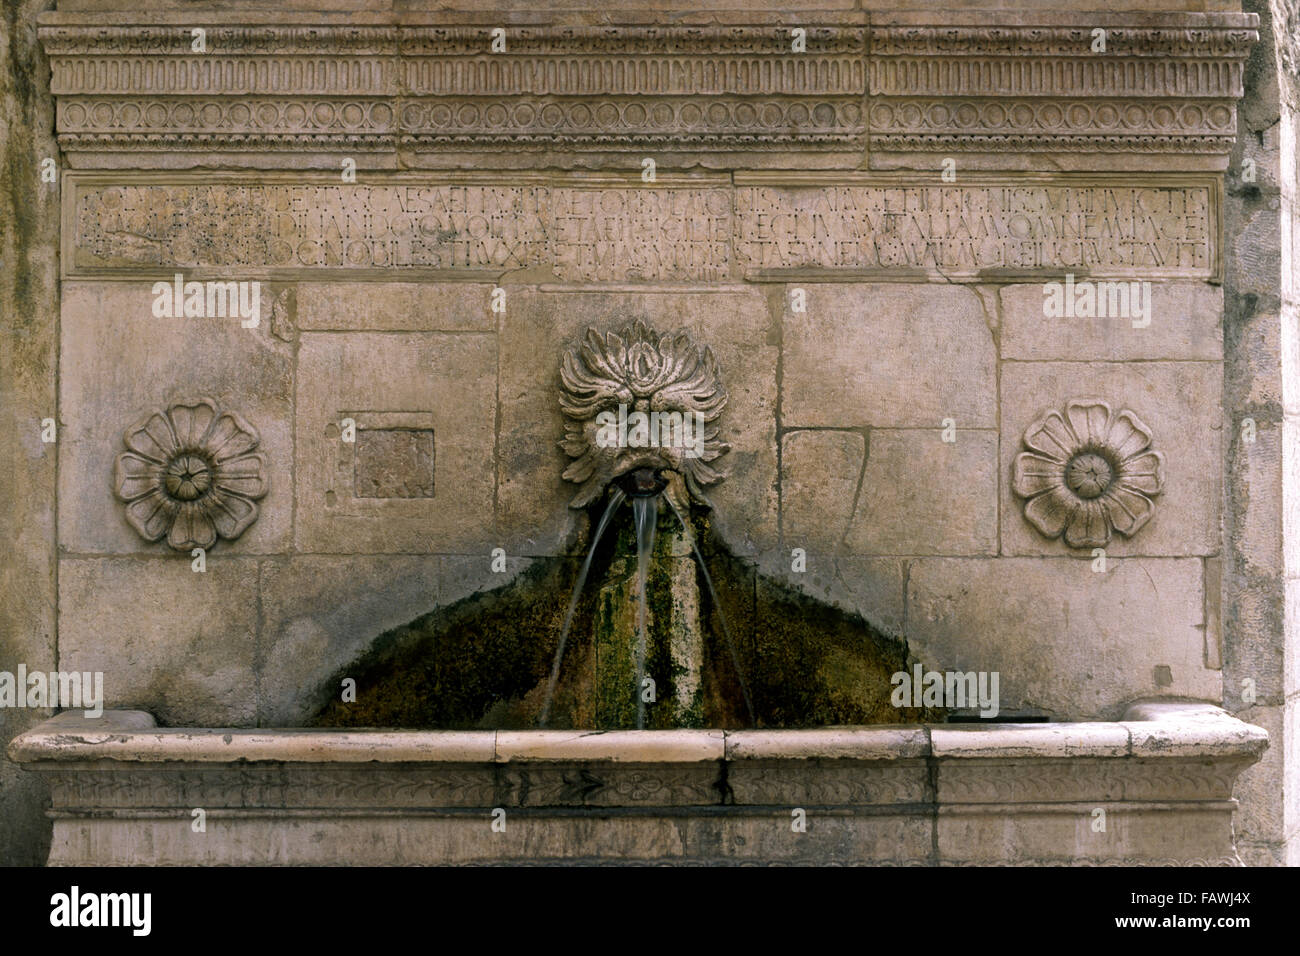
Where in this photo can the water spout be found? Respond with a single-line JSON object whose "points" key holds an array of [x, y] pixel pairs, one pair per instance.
{"points": [[616, 498], [645, 487], [642, 483]]}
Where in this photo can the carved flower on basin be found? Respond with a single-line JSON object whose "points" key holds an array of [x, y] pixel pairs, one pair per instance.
{"points": [[1088, 472], [191, 473], [667, 382]]}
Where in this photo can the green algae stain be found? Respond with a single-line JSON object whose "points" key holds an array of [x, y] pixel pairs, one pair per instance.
{"points": [[483, 662]]}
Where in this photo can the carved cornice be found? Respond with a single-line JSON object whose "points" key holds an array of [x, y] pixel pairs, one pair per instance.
{"points": [[857, 91], [1221, 38], [980, 89]]}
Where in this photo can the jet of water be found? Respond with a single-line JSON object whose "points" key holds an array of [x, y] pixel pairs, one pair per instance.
{"points": [[645, 511], [615, 499], [717, 607]]}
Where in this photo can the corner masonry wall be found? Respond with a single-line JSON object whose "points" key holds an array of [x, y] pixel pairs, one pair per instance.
{"points": [[1259, 609], [863, 232]]}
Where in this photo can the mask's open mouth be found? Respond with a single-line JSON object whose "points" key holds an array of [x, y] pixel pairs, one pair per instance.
{"points": [[641, 482]]}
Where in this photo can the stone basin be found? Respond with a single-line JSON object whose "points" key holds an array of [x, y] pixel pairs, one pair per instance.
{"points": [[1153, 788]]}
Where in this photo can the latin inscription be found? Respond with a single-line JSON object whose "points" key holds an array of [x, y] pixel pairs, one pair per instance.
{"points": [[969, 229], [622, 233]]}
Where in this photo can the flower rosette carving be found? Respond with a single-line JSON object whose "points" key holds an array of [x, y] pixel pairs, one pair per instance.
{"points": [[191, 473], [1087, 473], [646, 371]]}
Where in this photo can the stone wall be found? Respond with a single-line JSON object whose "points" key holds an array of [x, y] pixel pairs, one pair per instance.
{"points": [[863, 232], [29, 329], [1260, 385], [836, 417], [1287, 17]]}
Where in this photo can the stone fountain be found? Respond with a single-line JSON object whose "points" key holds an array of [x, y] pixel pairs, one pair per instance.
{"points": [[592, 792], [588, 450]]}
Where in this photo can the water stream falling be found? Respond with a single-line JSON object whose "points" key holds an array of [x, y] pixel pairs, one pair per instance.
{"points": [[615, 499], [717, 609], [645, 512]]}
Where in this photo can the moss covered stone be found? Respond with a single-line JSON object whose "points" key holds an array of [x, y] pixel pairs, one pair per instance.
{"points": [[484, 661]]}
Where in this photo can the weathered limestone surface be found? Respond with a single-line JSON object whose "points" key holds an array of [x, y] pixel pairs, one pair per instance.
{"points": [[307, 633], [29, 307], [393, 307], [1186, 322], [1065, 640], [889, 355], [872, 588], [914, 501], [1178, 401], [1020, 793], [585, 227], [901, 498], [1261, 384], [821, 482], [119, 363], [184, 642], [438, 383]]}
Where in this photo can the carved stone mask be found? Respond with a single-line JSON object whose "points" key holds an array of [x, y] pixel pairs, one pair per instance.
{"points": [[637, 399]]}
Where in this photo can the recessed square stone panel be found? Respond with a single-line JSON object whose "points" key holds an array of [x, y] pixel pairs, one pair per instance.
{"points": [[391, 456], [389, 491], [394, 463]]}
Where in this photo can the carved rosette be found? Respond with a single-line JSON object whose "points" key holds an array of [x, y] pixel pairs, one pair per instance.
{"points": [[1088, 472], [191, 473], [645, 371]]}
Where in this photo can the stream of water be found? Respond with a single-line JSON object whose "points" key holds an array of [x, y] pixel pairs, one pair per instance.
{"points": [[645, 513], [717, 609], [615, 499]]}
